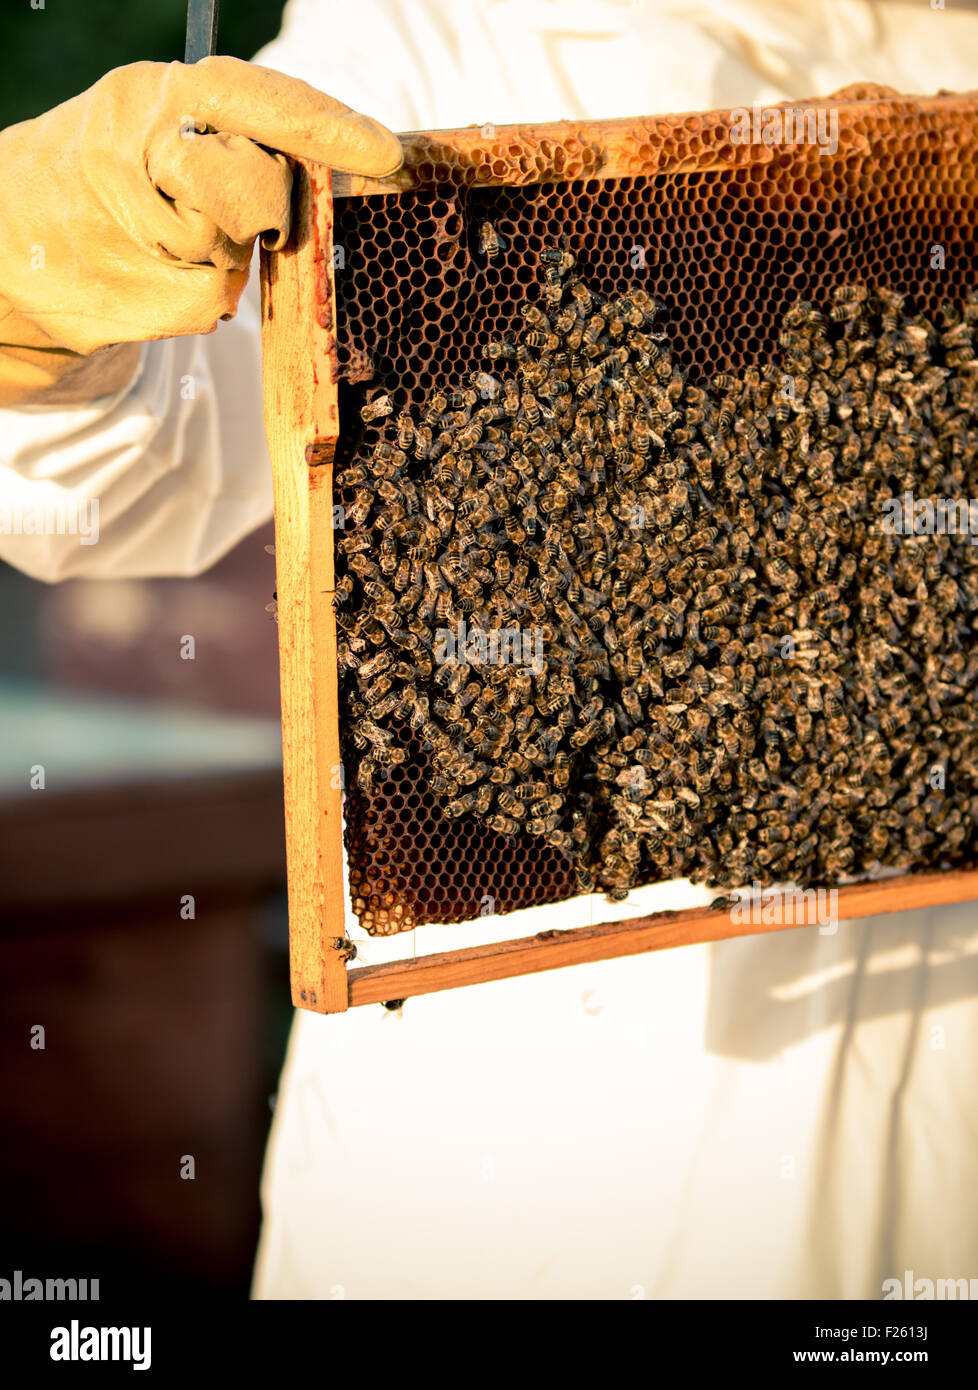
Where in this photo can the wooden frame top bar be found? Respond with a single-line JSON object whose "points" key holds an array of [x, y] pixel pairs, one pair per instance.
{"points": [[627, 147]]}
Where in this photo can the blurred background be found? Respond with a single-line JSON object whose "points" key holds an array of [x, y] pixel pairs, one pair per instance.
{"points": [[164, 1033]]}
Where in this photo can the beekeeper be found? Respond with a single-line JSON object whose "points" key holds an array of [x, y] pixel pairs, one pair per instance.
{"points": [[782, 1116]]}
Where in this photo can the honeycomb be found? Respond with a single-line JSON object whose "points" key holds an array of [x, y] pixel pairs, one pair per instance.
{"points": [[724, 235]]}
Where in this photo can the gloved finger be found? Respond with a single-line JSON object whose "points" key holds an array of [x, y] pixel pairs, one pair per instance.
{"points": [[195, 240], [237, 187], [285, 114]]}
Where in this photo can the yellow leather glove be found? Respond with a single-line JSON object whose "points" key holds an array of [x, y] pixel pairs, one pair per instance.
{"points": [[130, 212]]}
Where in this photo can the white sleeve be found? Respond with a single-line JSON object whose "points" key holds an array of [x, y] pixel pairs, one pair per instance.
{"points": [[161, 478]]}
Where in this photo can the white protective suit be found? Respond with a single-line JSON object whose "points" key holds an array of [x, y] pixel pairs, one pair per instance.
{"points": [[782, 1116]]}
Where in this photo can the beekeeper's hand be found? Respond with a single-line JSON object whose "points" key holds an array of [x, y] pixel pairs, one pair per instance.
{"points": [[130, 212]]}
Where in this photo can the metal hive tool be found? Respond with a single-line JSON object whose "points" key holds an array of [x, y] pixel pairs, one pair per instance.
{"points": [[396, 293]]}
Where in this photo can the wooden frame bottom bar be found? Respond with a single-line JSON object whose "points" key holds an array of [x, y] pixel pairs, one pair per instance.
{"points": [[376, 984]]}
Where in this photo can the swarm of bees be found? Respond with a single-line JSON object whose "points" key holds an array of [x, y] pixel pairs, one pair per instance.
{"points": [[744, 676]]}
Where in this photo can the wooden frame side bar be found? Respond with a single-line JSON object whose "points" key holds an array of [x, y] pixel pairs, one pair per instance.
{"points": [[301, 422], [375, 984]]}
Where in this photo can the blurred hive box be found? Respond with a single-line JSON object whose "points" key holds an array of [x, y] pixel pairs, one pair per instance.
{"points": [[727, 218]]}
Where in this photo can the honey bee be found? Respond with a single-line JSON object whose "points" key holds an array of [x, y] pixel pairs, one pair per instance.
{"points": [[557, 256], [533, 318], [376, 409], [490, 242], [510, 805], [437, 407], [583, 299], [499, 348], [378, 593], [376, 665], [359, 509], [561, 770], [593, 330], [422, 441], [343, 590]]}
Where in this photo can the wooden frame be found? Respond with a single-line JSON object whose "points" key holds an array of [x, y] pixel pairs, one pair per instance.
{"points": [[300, 397], [302, 425]]}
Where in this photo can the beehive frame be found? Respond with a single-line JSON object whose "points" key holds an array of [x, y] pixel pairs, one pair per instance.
{"points": [[301, 377]]}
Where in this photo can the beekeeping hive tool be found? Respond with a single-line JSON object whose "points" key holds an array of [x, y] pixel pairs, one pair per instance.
{"points": [[380, 270], [201, 30]]}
